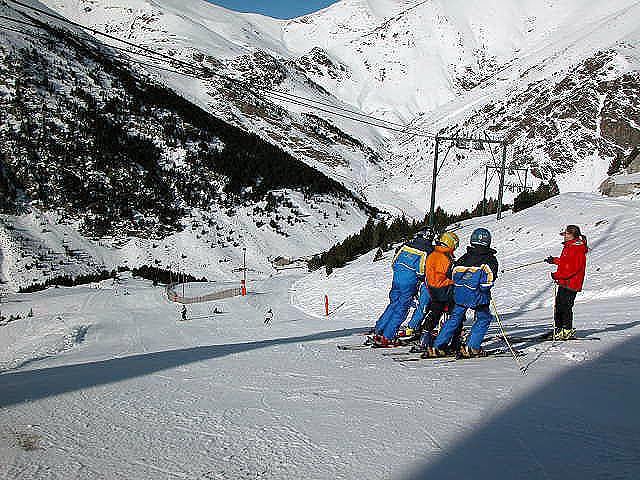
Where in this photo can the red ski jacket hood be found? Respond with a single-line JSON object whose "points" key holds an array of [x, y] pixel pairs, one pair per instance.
{"points": [[572, 264]]}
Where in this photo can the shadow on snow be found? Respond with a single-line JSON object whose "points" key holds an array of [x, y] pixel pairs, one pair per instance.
{"points": [[535, 330], [19, 387], [582, 424]]}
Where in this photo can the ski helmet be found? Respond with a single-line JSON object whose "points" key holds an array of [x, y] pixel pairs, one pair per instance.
{"points": [[481, 236], [427, 233], [449, 239]]}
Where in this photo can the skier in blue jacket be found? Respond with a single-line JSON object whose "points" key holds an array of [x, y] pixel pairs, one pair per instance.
{"points": [[408, 273], [473, 275]]}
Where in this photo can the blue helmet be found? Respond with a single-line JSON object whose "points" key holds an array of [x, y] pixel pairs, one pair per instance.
{"points": [[481, 236]]}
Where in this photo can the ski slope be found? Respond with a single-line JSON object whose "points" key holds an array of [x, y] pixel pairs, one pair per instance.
{"points": [[143, 395]]}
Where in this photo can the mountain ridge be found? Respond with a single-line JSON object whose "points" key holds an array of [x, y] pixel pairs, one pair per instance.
{"points": [[408, 62]]}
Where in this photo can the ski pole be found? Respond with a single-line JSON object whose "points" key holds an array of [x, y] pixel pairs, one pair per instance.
{"points": [[521, 266], [504, 335], [553, 319]]}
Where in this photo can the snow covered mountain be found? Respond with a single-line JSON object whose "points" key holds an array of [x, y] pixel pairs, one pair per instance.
{"points": [[102, 167], [558, 79]]}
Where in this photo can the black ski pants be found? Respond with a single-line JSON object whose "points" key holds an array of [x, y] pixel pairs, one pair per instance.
{"points": [[563, 313], [437, 309]]}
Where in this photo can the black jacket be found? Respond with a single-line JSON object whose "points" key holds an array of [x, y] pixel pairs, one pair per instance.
{"points": [[478, 255], [420, 243]]}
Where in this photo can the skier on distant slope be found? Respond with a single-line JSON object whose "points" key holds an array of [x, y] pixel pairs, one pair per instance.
{"points": [[571, 264], [268, 317], [408, 271], [473, 276]]}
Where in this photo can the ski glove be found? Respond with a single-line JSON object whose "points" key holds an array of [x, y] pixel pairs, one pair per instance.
{"points": [[549, 260]]}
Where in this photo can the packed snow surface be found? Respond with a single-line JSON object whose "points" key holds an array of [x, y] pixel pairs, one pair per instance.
{"points": [[140, 394]]}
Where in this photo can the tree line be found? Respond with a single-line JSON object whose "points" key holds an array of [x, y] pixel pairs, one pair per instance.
{"points": [[156, 274], [80, 132], [382, 234]]}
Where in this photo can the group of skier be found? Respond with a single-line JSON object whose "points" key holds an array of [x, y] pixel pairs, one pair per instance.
{"points": [[427, 276]]}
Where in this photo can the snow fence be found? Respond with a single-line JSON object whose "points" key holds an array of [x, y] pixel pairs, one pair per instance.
{"points": [[173, 296]]}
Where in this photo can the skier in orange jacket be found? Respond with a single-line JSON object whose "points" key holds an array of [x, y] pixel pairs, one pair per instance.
{"points": [[438, 279]]}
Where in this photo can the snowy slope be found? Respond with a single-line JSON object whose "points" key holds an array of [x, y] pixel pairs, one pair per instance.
{"points": [[556, 78], [527, 236], [142, 395], [567, 105], [42, 245], [250, 48]]}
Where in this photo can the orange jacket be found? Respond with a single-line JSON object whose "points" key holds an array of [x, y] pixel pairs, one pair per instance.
{"points": [[438, 265]]}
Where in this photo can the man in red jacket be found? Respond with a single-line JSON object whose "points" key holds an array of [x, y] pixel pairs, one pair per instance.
{"points": [[571, 264]]}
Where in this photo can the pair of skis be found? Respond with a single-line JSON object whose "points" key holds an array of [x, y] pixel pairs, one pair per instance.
{"points": [[544, 337], [416, 357]]}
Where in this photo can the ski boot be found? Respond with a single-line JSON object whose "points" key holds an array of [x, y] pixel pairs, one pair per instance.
{"points": [[418, 349], [567, 333], [432, 352], [407, 335], [380, 341], [468, 352], [406, 332], [556, 334]]}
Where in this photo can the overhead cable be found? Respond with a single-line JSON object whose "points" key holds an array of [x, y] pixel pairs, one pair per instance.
{"points": [[282, 95]]}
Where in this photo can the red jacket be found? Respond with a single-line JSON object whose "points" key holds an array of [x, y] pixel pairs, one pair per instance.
{"points": [[571, 264]]}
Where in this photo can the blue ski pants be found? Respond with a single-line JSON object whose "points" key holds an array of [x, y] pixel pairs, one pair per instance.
{"points": [[403, 288], [424, 302], [456, 319]]}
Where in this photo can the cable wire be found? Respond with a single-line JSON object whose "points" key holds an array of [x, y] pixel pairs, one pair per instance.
{"points": [[103, 53]]}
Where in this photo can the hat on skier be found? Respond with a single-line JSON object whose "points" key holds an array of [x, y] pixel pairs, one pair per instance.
{"points": [[481, 236], [449, 239], [427, 233]]}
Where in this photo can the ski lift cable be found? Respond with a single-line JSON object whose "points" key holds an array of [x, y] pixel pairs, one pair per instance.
{"points": [[280, 96], [157, 56], [10, 29], [163, 57], [39, 37], [200, 77], [106, 54], [404, 127], [297, 102], [101, 46]]}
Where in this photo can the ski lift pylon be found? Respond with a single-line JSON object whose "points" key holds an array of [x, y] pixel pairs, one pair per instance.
{"points": [[478, 145], [462, 144]]}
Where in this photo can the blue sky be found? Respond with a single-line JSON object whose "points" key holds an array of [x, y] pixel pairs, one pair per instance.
{"points": [[275, 8]]}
